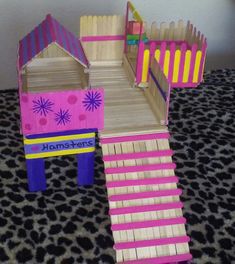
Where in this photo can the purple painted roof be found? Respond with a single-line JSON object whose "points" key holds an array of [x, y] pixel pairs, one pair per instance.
{"points": [[49, 31]]}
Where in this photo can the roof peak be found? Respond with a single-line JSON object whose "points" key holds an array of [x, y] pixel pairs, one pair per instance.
{"points": [[47, 32]]}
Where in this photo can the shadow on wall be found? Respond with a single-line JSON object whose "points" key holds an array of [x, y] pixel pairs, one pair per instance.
{"points": [[220, 61]]}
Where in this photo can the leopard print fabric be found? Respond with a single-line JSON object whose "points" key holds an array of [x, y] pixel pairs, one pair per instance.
{"points": [[69, 224]]}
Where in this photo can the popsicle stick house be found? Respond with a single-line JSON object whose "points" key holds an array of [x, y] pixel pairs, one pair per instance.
{"points": [[62, 82]]}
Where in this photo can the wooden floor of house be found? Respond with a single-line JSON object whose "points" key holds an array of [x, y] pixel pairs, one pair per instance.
{"points": [[126, 108]]}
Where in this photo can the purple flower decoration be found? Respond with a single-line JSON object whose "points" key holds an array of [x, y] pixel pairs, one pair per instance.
{"points": [[92, 100], [42, 106], [62, 117]]}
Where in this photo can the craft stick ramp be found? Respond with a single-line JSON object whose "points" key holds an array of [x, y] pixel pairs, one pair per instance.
{"points": [[145, 210]]}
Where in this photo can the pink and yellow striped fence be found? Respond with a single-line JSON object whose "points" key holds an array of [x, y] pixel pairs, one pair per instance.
{"points": [[182, 63], [179, 48]]}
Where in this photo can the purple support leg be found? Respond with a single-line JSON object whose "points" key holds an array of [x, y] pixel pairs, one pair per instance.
{"points": [[85, 168], [36, 174]]}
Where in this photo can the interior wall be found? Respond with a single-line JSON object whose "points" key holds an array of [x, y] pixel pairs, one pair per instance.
{"points": [[215, 18]]}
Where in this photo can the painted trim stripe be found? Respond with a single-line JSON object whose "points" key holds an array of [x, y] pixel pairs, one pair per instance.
{"points": [[163, 94], [138, 155], [41, 40], [147, 224], [102, 38], [59, 153], [145, 208], [144, 195], [33, 43], [165, 135], [61, 133], [151, 242], [138, 182], [184, 85], [168, 42], [56, 139], [29, 49], [146, 167], [160, 260]]}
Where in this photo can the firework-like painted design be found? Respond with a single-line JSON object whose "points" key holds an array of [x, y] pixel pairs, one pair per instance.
{"points": [[62, 117], [92, 100], [42, 106]]}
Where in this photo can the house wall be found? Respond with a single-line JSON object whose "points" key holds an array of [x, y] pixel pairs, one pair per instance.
{"points": [[214, 17]]}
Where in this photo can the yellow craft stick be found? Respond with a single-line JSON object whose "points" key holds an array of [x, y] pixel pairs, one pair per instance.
{"points": [[187, 65], [157, 55], [197, 66], [176, 65], [145, 66], [56, 139], [135, 13], [166, 62]]}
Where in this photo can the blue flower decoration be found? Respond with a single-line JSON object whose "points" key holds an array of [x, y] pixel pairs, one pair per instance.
{"points": [[42, 106], [92, 101], [62, 117]]}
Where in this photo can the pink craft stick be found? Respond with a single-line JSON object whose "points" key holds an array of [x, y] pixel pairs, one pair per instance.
{"points": [[29, 48], [192, 63], [151, 242], [51, 28], [160, 260], [64, 32], [37, 40], [146, 167], [145, 208], [152, 49], [102, 38], [172, 60], [162, 54], [183, 49], [148, 181], [184, 85], [144, 195], [44, 34], [159, 42], [165, 135], [138, 155], [57, 32], [150, 223]]}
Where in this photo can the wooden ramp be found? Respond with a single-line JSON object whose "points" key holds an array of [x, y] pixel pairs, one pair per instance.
{"points": [[145, 209]]}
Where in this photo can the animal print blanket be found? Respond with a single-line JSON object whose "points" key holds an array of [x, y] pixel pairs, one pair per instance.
{"points": [[66, 224]]}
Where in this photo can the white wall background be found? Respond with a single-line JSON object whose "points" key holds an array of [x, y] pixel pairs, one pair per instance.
{"points": [[215, 18]]}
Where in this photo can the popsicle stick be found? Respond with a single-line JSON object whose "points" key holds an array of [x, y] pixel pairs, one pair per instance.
{"points": [[127, 147], [146, 216], [109, 149]]}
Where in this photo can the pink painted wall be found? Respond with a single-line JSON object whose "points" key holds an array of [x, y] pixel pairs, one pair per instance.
{"points": [[62, 110]]}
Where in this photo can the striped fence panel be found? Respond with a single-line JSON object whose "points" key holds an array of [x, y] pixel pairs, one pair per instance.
{"points": [[179, 49], [182, 66]]}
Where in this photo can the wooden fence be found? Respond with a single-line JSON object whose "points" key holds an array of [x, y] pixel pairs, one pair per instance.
{"points": [[102, 37], [180, 50], [158, 92]]}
